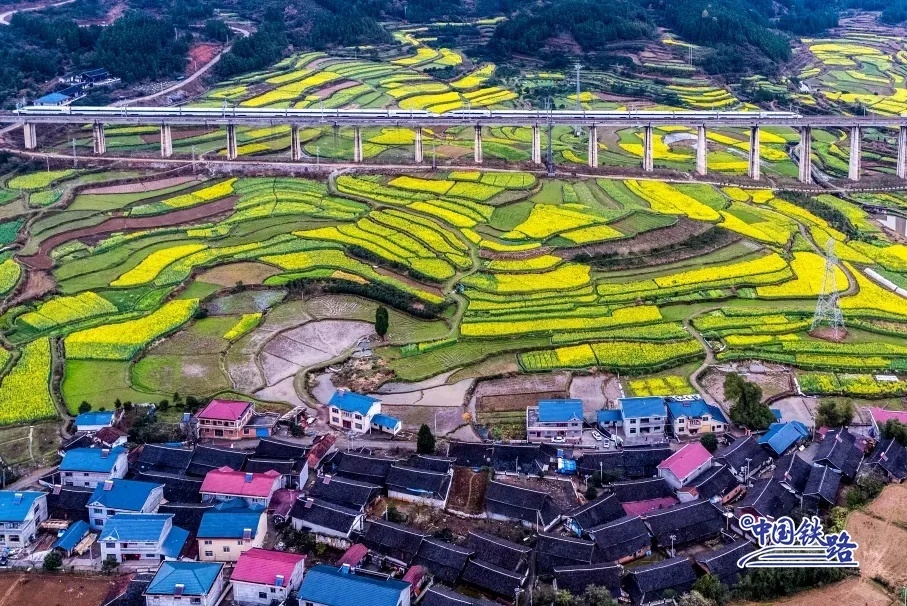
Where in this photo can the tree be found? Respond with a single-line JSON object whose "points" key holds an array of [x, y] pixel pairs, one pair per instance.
{"points": [[747, 409], [894, 429], [709, 441], [382, 321], [84, 407], [117, 404], [53, 561], [425, 443], [694, 598], [591, 492], [834, 413], [711, 588], [109, 565], [596, 595]]}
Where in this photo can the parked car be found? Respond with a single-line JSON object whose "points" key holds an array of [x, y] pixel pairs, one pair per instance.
{"points": [[606, 444], [596, 436], [559, 440]]}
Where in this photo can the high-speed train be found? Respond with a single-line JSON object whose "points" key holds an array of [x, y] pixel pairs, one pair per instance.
{"points": [[399, 114]]}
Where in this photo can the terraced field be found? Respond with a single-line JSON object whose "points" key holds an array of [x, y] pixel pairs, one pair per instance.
{"points": [[243, 285]]}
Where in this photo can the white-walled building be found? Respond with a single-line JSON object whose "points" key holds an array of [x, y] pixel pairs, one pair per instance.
{"points": [[186, 584], [113, 497], [261, 576], [21, 512], [91, 466]]}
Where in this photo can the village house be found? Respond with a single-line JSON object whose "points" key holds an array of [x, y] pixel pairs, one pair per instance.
{"points": [[92, 466], [325, 585], [555, 419], [229, 529], [685, 465], [122, 496], [97, 420], [141, 536], [186, 583], [351, 411], [261, 576], [21, 513], [643, 419], [692, 416], [225, 484], [233, 420], [331, 524], [418, 486]]}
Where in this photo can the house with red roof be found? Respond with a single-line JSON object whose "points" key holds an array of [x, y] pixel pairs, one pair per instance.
{"points": [[233, 420], [224, 484], [880, 416], [261, 576], [685, 465]]}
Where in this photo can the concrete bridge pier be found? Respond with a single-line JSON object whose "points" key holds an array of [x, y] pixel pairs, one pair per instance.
{"points": [[419, 152], [853, 168], [98, 140], [648, 158], [806, 153], [166, 141], [536, 144], [755, 167], [357, 144], [702, 150], [477, 146], [593, 146], [295, 145], [902, 152], [30, 132], [232, 148]]}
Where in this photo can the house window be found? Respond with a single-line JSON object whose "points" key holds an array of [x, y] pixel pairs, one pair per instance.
{"points": [[98, 522], [358, 425], [195, 601], [273, 590], [99, 511], [239, 543], [262, 595], [208, 542], [209, 554], [110, 545], [226, 549]]}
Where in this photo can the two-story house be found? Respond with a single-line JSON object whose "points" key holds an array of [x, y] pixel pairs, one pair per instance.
{"points": [[142, 537], [97, 420], [325, 585], [225, 420], [351, 411], [91, 466], [229, 529], [685, 465], [21, 512], [186, 584], [225, 484], [643, 419], [691, 416], [112, 497], [261, 576], [555, 419]]}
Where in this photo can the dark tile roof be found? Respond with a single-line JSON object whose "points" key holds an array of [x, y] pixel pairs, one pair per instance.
{"points": [[493, 578], [557, 550], [498, 551], [792, 470], [438, 595], [575, 579], [521, 458], [393, 540], [327, 515], [134, 594], [69, 502], [823, 484], [520, 503], [430, 463], [722, 562], [155, 457], [177, 488], [469, 454], [418, 482], [597, 511], [344, 491], [768, 498], [81, 440], [444, 560], [646, 584], [363, 468], [283, 467], [621, 538], [186, 515], [737, 452], [715, 482], [643, 462], [641, 490], [691, 522], [601, 462], [838, 449], [892, 457], [209, 458], [269, 448]]}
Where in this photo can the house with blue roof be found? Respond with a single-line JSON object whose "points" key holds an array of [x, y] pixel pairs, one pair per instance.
{"points": [[181, 583], [144, 537], [92, 466], [780, 437], [350, 411], [691, 416], [643, 419], [96, 420], [386, 423], [53, 99], [325, 585], [555, 419], [69, 539], [111, 497], [229, 529], [21, 512]]}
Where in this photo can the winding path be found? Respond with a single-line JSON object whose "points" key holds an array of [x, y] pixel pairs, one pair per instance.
{"points": [[8, 15]]}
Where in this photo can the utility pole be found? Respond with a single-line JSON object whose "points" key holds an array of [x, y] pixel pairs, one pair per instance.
{"points": [[75, 158], [673, 538]]}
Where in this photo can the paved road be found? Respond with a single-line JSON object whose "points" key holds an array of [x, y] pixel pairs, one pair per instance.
{"points": [[5, 17]]}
